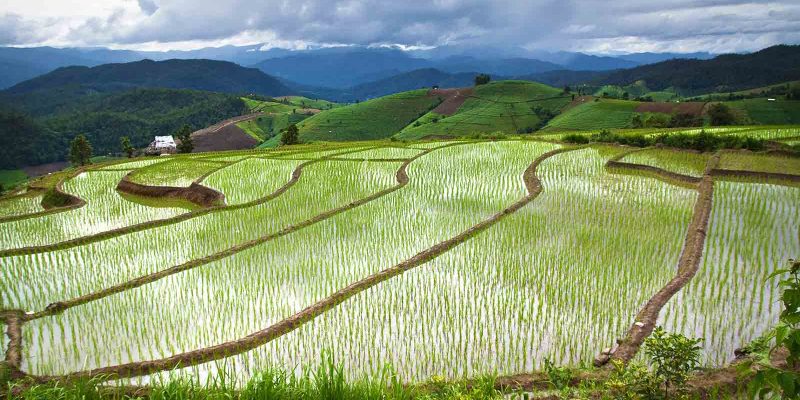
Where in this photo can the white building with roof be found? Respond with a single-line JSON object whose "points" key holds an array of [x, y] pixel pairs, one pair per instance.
{"points": [[162, 145]]}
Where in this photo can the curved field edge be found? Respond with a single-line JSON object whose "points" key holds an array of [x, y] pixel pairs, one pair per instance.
{"points": [[84, 240], [687, 268], [291, 323], [401, 178]]}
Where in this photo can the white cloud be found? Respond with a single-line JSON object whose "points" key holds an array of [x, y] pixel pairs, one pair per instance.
{"points": [[586, 25]]}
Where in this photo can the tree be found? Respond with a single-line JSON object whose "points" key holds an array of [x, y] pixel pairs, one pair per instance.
{"points": [[721, 114], [290, 136], [794, 92], [673, 357], [625, 96], [482, 79], [125, 142], [184, 134], [80, 150], [567, 89], [783, 382]]}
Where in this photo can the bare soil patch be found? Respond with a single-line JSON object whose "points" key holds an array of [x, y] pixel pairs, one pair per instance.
{"points": [[693, 108], [453, 99], [229, 137], [195, 193], [44, 169]]}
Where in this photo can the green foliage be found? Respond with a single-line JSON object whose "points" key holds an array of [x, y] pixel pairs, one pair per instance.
{"points": [[54, 199], [125, 143], [632, 382], [290, 135], [559, 377], [482, 79], [374, 119], [781, 381], [702, 141], [673, 356], [80, 150], [139, 114], [325, 382], [604, 114], [575, 138], [184, 135], [720, 115]]}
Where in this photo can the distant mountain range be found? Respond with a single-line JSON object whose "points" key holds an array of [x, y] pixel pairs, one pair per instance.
{"points": [[723, 73], [56, 89], [338, 67]]}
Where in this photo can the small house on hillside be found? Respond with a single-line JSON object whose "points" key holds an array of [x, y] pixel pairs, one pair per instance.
{"points": [[162, 145]]}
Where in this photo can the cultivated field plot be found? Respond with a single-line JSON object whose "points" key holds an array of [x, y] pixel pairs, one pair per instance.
{"points": [[452, 258]]}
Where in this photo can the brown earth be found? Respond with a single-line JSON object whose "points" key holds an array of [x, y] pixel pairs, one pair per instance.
{"points": [[693, 108], [224, 135], [688, 264], [44, 169], [453, 99], [195, 193]]}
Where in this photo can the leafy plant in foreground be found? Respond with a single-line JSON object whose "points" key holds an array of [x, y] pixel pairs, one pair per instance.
{"points": [[674, 358], [771, 381]]}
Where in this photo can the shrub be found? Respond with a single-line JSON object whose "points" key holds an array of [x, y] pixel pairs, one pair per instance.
{"points": [[575, 138], [770, 381], [674, 357]]}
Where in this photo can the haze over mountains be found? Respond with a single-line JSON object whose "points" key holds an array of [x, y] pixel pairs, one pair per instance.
{"points": [[336, 67]]}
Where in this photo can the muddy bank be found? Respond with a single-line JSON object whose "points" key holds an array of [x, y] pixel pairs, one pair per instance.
{"points": [[198, 194]]}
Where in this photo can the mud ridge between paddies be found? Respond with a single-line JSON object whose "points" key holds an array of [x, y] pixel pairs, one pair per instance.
{"points": [[67, 244], [256, 339], [57, 307]]}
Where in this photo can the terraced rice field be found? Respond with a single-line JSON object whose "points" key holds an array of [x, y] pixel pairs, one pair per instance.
{"points": [[440, 258]]}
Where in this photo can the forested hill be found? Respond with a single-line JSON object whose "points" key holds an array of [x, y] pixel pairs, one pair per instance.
{"points": [[139, 114], [724, 73], [208, 75]]}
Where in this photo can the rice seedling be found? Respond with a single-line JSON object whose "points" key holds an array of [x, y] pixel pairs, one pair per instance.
{"points": [[254, 288], [383, 153], [20, 205], [105, 210], [746, 161], [31, 281], [179, 172], [558, 279], [251, 179], [136, 164], [753, 231], [681, 162]]}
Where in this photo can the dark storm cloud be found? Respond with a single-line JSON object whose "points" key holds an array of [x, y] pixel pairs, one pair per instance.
{"points": [[593, 25]]}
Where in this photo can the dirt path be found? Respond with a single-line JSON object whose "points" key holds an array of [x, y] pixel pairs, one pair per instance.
{"points": [[688, 265], [13, 358], [454, 98], [293, 322], [84, 240]]}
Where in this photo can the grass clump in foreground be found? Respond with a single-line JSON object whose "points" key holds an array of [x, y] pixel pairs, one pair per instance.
{"points": [[325, 382], [702, 141]]}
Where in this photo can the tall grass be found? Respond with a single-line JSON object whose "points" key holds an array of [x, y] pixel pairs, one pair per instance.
{"points": [[325, 381]]}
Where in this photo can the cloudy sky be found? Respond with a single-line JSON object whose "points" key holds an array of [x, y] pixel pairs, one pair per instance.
{"points": [[596, 26]]}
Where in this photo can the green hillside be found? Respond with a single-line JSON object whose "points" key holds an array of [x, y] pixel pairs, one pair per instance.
{"points": [[506, 106], [374, 119], [598, 114], [764, 112], [305, 102]]}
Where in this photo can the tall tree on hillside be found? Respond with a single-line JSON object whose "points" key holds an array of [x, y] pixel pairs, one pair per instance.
{"points": [[291, 135], [125, 142], [80, 150], [184, 134], [482, 79], [721, 114]]}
